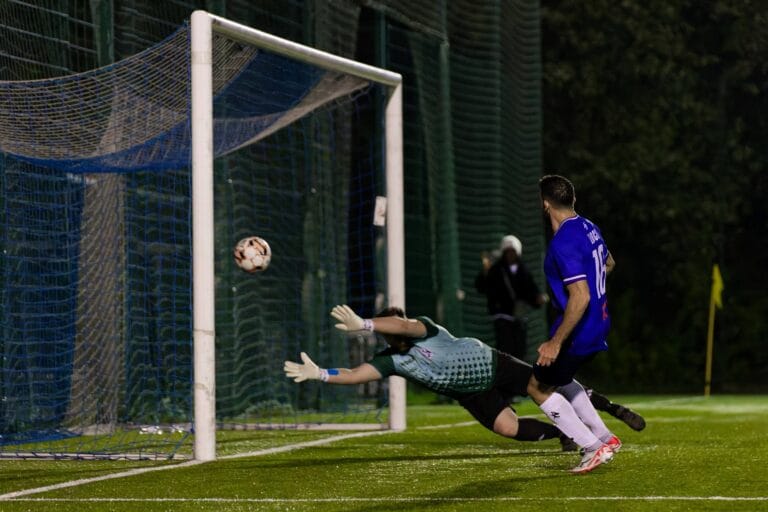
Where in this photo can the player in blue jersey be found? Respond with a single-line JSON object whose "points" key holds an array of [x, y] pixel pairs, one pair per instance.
{"points": [[507, 283], [576, 266], [482, 379]]}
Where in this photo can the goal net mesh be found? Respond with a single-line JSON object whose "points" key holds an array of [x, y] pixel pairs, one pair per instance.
{"points": [[96, 270]]}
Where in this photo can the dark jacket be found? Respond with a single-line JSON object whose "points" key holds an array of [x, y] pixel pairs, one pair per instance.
{"points": [[503, 288]]}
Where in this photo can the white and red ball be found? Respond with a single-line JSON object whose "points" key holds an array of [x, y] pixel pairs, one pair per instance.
{"points": [[252, 254]]}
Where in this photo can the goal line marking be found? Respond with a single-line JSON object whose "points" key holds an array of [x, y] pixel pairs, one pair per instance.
{"points": [[257, 453]]}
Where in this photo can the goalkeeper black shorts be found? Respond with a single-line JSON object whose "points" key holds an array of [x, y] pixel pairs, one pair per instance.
{"points": [[511, 380]]}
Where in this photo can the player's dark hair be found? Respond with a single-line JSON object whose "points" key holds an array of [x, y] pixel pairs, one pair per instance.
{"points": [[391, 311], [557, 190], [399, 343]]}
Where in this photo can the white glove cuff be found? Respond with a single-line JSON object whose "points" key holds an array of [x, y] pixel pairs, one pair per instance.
{"points": [[368, 324]]}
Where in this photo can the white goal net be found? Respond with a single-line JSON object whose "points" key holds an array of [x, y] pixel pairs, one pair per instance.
{"points": [[118, 284]]}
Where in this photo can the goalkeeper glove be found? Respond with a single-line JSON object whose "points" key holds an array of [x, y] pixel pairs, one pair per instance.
{"points": [[307, 371], [349, 321]]}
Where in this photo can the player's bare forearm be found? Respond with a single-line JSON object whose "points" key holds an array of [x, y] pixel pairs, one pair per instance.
{"points": [[350, 321], [358, 375], [610, 264], [309, 370], [578, 300], [400, 326]]}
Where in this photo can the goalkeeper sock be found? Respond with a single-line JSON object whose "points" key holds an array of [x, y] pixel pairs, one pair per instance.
{"points": [[531, 429]]}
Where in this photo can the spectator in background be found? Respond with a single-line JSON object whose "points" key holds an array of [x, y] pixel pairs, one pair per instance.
{"points": [[506, 282]]}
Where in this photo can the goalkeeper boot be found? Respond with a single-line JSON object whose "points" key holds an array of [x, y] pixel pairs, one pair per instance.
{"points": [[630, 417], [593, 458], [618, 411]]}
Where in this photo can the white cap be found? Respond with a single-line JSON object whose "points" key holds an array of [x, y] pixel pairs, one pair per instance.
{"points": [[511, 242]]}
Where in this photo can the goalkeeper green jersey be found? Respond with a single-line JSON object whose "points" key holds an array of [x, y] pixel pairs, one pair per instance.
{"points": [[452, 366]]}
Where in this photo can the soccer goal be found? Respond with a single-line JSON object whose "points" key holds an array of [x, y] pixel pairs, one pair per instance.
{"points": [[127, 329]]}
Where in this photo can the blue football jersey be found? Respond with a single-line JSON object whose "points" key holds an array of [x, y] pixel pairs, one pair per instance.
{"points": [[578, 252]]}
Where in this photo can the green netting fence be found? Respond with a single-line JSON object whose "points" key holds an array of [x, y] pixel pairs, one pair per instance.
{"points": [[472, 111]]}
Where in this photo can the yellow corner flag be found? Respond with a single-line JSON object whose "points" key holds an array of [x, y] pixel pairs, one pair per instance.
{"points": [[717, 286], [715, 301]]}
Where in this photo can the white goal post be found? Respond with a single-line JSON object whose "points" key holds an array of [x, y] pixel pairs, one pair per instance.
{"points": [[203, 25]]}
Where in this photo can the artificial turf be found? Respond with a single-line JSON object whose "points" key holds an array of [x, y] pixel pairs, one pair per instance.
{"points": [[695, 454]]}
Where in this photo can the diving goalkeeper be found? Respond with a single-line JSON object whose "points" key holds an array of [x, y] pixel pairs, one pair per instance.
{"points": [[479, 377]]}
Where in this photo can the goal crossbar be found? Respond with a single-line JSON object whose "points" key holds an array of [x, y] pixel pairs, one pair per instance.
{"points": [[203, 25]]}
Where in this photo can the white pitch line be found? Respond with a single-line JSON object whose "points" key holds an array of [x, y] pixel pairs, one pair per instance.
{"points": [[139, 471], [393, 499], [306, 444], [83, 481], [451, 425], [257, 453], [669, 401]]}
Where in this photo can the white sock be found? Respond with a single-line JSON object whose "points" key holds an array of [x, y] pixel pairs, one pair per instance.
{"points": [[562, 414], [575, 394]]}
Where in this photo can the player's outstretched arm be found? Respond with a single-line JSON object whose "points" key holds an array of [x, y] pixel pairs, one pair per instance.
{"points": [[350, 321], [310, 371]]}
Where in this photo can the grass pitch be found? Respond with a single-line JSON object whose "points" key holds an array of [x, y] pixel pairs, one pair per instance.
{"points": [[695, 454]]}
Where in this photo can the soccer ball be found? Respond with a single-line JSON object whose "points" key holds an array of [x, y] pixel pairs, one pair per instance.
{"points": [[253, 254]]}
